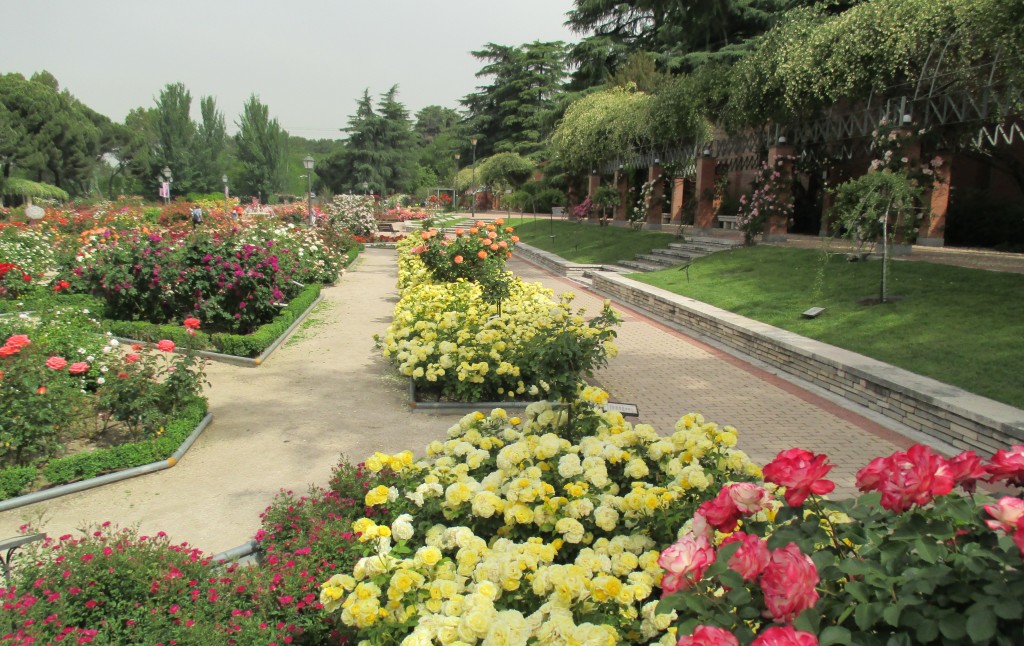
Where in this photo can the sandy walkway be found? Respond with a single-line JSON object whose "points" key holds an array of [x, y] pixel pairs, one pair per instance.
{"points": [[283, 425]]}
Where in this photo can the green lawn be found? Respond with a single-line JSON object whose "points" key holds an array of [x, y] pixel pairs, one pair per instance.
{"points": [[960, 326], [588, 243]]}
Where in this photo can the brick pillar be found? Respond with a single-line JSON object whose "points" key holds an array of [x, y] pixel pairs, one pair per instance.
{"points": [[622, 185], [933, 227], [780, 156], [678, 196], [654, 205], [705, 218], [911, 149]]}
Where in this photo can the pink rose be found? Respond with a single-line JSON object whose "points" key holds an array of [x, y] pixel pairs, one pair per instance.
{"points": [[749, 498], [720, 512], [684, 562], [966, 470], [78, 368], [785, 636], [751, 558], [1004, 465], [1018, 538], [165, 345], [1007, 512], [709, 636], [908, 478], [788, 583], [17, 341], [801, 473], [56, 363]]}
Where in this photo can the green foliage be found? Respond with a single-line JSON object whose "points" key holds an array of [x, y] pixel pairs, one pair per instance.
{"points": [[262, 146], [883, 201], [16, 186], [505, 171], [814, 58], [589, 244], [601, 127], [80, 466], [14, 480]]}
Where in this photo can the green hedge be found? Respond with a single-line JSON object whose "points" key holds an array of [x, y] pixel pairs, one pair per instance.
{"points": [[14, 480], [234, 344]]}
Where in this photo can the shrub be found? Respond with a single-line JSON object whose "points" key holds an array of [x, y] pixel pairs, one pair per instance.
{"points": [[907, 562], [530, 529]]}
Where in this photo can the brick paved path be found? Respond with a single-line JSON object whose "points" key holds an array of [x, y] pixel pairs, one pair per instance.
{"points": [[668, 374]]}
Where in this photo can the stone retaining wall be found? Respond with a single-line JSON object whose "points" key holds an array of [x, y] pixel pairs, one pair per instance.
{"points": [[549, 261], [944, 412]]}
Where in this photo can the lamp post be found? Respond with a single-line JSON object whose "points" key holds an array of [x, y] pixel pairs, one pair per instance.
{"points": [[224, 178], [308, 164], [455, 177], [170, 180], [472, 203]]}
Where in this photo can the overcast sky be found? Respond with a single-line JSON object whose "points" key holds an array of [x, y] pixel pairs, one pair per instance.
{"points": [[308, 61]]}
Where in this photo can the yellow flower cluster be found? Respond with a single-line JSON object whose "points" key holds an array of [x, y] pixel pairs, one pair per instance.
{"points": [[449, 340], [523, 535]]}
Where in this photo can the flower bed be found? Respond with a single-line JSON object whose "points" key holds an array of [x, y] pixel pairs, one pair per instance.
{"points": [[458, 342], [907, 562]]}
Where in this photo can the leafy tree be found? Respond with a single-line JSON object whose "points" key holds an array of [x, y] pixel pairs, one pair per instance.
{"points": [[175, 139], [505, 171], [212, 147], [514, 113], [601, 127], [262, 150]]}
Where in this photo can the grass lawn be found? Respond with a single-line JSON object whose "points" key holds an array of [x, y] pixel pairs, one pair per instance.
{"points": [[960, 326], [588, 243]]}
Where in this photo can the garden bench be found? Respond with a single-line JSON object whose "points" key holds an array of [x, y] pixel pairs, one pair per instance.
{"points": [[728, 221], [10, 545], [386, 227], [557, 210]]}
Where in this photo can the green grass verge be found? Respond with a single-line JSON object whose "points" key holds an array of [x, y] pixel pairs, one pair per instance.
{"points": [[960, 326], [588, 243], [80, 466]]}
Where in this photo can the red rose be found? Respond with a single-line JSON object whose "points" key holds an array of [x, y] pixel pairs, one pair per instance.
{"points": [[56, 363], [801, 473], [131, 357], [684, 562], [1004, 465], [908, 478], [78, 368], [709, 636], [751, 558], [788, 583], [18, 341], [165, 345], [720, 512], [967, 469], [785, 636], [191, 323]]}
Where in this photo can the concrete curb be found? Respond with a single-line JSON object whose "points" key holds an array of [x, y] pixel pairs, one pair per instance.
{"points": [[117, 476], [460, 407]]}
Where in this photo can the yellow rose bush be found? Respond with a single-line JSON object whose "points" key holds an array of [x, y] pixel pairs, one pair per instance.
{"points": [[456, 345], [531, 530]]}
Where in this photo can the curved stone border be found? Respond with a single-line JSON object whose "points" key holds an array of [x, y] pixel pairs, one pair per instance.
{"points": [[82, 485], [245, 362]]}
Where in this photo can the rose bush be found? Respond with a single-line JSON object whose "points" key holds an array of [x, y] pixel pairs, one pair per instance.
{"points": [[907, 562], [531, 529]]}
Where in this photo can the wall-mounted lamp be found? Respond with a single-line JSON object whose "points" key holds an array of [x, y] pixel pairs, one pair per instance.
{"points": [[782, 140], [907, 120], [707, 152], [656, 161]]}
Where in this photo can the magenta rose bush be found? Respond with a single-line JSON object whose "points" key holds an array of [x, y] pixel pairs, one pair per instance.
{"points": [[912, 560]]}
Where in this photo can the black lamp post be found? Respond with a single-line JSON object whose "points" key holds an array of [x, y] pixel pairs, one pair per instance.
{"points": [[472, 203], [170, 180], [308, 164]]}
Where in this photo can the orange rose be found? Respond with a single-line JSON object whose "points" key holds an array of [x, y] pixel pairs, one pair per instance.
{"points": [[485, 241], [480, 223], [490, 227], [499, 221], [495, 247], [473, 231], [492, 235], [503, 244], [481, 254], [457, 260], [460, 231], [515, 238], [425, 235], [509, 229]]}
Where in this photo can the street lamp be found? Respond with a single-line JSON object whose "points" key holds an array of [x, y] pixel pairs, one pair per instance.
{"points": [[224, 178], [308, 163], [366, 188], [170, 180], [455, 177], [472, 203]]}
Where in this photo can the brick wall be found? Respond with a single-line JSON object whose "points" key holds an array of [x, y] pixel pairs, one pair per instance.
{"points": [[944, 412]]}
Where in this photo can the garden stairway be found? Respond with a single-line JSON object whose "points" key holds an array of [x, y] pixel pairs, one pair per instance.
{"points": [[678, 253]]}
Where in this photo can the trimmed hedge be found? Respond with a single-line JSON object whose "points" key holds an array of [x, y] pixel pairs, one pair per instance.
{"points": [[14, 480], [238, 345]]}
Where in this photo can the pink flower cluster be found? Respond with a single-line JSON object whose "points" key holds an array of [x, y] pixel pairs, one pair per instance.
{"points": [[774, 636], [801, 473]]}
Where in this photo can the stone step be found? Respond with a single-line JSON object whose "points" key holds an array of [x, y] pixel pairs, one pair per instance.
{"points": [[712, 241], [640, 265], [680, 255], [658, 259], [699, 248]]}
